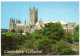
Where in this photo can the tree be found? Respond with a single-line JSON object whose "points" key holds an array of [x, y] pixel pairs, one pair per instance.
{"points": [[68, 36], [18, 39], [27, 33], [10, 34], [6, 43], [77, 28], [13, 30], [28, 37], [45, 41], [28, 45], [53, 31], [20, 31], [76, 34], [62, 48]]}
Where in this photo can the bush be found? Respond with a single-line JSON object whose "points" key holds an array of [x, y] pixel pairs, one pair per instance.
{"points": [[76, 37], [28, 37], [6, 43], [62, 48], [45, 41], [76, 34], [13, 30], [27, 33], [18, 40], [68, 36], [53, 31], [20, 31], [28, 45], [10, 34]]}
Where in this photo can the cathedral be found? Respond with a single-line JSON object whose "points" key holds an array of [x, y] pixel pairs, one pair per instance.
{"points": [[34, 24]]}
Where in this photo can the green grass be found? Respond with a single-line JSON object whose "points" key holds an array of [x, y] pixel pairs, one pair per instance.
{"points": [[75, 46]]}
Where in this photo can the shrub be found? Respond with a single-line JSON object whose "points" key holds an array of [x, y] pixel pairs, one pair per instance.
{"points": [[20, 31], [13, 30], [18, 40], [53, 31], [28, 37], [62, 48], [27, 33], [6, 43], [68, 36], [10, 34], [76, 34], [45, 41], [28, 45], [76, 37]]}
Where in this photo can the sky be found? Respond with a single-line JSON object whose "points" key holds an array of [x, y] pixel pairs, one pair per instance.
{"points": [[47, 11]]}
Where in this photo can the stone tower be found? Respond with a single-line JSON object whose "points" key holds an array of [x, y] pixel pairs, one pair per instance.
{"points": [[33, 15], [12, 24]]}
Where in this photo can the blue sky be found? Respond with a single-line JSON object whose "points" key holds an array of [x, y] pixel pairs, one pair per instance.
{"points": [[47, 11]]}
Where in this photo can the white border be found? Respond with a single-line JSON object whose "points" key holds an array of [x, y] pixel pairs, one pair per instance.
{"points": [[79, 28], [0, 27], [38, 0]]}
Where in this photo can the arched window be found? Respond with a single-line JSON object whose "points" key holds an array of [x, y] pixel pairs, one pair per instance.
{"points": [[40, 25]]}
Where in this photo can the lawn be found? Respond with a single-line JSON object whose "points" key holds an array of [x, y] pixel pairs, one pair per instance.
{"points": [[75, 46]]}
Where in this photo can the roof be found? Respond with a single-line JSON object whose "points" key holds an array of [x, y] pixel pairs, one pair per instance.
{"points": [[37, 23], [62, 22], [19, 24]]}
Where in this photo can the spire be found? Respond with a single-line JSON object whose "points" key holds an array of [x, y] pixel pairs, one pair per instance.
{"points": [[33, 8], [36, 9], [25, 21], [12, 19], [30, 8], [40, 19], [20, 20], [40, 22], [16, 20]]}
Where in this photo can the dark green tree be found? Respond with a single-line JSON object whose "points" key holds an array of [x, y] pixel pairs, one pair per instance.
{"points": [[18, 40], [62, 48], [6, 43], [13, 30], [53, 31], [76, 34], [45, 41], [68, 36], [10, 34], [20, 31], [27, 33]]}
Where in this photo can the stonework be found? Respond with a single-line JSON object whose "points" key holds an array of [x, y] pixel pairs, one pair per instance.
{"points": [[33, 16], [34, 25]]}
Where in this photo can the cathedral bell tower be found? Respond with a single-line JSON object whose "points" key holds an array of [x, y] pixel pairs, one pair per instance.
{"points": [[12, 24], [33, 16]]}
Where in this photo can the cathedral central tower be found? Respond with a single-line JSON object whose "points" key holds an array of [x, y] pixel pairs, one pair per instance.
{"points": [[34, 15]]}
